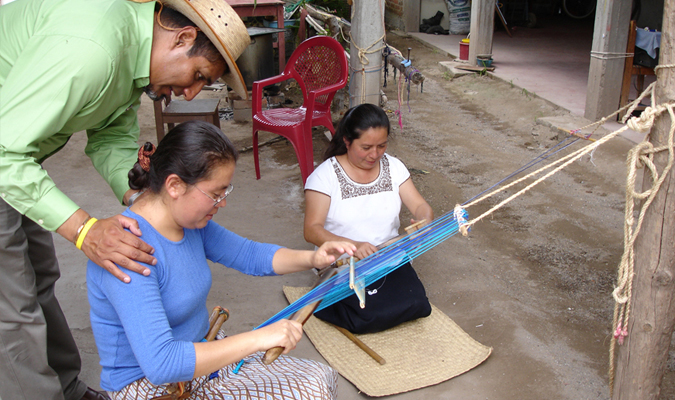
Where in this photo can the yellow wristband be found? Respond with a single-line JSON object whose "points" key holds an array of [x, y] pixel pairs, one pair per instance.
{"points": [[83, 233]]}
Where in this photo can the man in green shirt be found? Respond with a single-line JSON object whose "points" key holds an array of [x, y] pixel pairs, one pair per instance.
{"points": [[68, 66]]}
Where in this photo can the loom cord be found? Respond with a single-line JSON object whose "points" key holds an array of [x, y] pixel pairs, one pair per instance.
{"points": [[543, 156], [377, 265], [391, 257], [383, 261], [641, 124]]}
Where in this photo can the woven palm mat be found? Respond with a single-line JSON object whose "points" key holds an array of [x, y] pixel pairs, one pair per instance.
{"points": [[418, 353]]}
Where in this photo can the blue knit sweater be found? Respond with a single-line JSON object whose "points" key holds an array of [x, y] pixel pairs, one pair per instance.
{"points": [[146, 328]]}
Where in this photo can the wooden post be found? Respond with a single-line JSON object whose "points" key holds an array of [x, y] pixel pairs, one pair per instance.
{"points": [[606, 67], [642, 358], [482, 28], [368, 35]]}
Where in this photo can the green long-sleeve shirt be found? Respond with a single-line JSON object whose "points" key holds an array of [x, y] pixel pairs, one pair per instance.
{"points": [[68, 66]]}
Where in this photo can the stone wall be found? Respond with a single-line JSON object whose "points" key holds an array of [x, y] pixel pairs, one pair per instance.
{"points": [[393, 14]]}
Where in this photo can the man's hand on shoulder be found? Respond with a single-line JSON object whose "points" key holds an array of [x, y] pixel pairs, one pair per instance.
{"points": [[108, 244]]}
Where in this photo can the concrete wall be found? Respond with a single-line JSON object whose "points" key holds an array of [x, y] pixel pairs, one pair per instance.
{"points": [[428, 9], [395, 9]]}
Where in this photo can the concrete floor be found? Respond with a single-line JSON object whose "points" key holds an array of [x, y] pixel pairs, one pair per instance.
{"points": [[550, 60]]}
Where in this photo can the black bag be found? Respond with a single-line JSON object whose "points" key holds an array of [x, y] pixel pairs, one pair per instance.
{"points": [[643, 59], [396, 298]]}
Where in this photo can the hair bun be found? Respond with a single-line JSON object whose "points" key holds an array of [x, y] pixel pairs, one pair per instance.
{"points": [[144, 154]]}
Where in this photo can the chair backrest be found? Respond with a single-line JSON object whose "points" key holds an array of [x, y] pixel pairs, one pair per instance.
{"points": [[632, 34], [316, 63]]}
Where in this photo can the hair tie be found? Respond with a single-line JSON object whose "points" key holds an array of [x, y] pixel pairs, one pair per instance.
{"points": [[144, 156]]}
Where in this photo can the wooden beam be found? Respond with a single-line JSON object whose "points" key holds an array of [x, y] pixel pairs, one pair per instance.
{"points": [[482, 28], [641, 361], [396, 61], [335, 24], [605, 73]]}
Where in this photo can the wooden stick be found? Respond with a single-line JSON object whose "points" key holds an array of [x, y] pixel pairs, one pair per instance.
{"points": [[221, 315], [360, 290], [361, 345], [396, 61], [473, 68], [577, 134], [334, 23], [409, 229], [501, 17], [265, 143], [301, 316], [414, 227]]}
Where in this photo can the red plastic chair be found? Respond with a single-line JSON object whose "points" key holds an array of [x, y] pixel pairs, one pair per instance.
{"points": [[319, 66]]}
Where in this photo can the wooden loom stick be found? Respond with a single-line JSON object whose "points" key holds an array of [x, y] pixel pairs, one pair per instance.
{"points": [[416, 226], [361, 345], [302, 315], [218, 316], [409, 229], [358, 287], [577, 134]]}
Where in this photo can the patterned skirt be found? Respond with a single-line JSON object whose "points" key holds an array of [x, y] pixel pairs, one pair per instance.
{"points": [[287, 378]]}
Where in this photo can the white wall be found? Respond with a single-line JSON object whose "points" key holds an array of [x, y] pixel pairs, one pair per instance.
{"points": [[428, 9]]}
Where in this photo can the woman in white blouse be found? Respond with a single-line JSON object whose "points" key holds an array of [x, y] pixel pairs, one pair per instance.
{"points": [[356, 195]]}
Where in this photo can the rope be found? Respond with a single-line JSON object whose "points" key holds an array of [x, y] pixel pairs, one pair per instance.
{"points": [[364, 51], [608, 55], [564, 162], [639, 157], [400, 100], [545, 155], [639, 124]]}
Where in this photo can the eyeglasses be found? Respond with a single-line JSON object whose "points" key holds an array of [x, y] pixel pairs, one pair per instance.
{"points": [[216, 201]]}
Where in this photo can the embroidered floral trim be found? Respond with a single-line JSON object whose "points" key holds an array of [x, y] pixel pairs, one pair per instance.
{"points": [[350, 189]]}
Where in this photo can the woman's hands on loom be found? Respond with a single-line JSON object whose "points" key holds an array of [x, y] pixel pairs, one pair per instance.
{"points": [[331, 251], [364, 249], [285, 333], [286, 260]]}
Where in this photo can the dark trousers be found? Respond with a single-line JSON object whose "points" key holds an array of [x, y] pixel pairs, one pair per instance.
{"points": [[38, 355]]}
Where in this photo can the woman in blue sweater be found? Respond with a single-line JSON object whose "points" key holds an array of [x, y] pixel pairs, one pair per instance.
{"points": [[149, 332]]}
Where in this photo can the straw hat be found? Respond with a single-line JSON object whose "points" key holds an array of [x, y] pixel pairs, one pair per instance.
{"points": [[223, 27]]}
